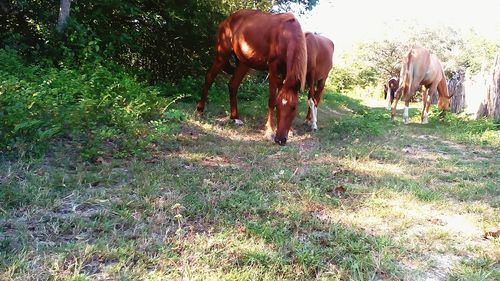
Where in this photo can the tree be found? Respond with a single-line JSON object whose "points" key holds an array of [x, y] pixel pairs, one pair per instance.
{"points": [[385, 56], [63, 14], [490, 107]]}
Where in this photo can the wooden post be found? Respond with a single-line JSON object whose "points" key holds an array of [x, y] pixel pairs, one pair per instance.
{"points": [[490, 107], [456, 88]]}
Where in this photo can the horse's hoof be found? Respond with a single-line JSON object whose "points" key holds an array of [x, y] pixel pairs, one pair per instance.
{"points": [[200, 108], [238, 122], [269, 136], [280, 142]]}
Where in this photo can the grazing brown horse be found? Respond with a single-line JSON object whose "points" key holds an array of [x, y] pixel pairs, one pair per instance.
{"points": [[263, 41], [420, 67], [319, 63], [390, 89]]}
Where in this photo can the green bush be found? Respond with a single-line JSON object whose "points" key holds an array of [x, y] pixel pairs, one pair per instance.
{"points": [[90, 105], [460, 127]]}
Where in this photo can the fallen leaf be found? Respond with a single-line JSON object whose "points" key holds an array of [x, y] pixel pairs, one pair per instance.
{"points": [[382, 275], [337, 171], [339, 190], [99, 160]]}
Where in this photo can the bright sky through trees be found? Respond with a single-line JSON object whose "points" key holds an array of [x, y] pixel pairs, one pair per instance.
{"points": [[348, 21]]}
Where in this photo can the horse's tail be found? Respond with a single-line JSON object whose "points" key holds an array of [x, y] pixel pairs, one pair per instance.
{"points": [[407, 74], [296, 61]]}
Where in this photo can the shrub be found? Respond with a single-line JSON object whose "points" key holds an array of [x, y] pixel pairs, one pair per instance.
{"points": [[89, 104]]}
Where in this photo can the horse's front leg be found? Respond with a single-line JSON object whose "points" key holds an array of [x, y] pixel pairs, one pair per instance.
{"points": [[273, 86], [317, 99], [234, 84], [310, 97], [425, 119], [423, 114], [406, 113], [219, 61]]}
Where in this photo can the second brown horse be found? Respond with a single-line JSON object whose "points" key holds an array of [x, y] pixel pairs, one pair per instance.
{"points": [[319, 63], [263, 41]]}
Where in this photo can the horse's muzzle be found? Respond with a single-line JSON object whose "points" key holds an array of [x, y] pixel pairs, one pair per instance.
{"points": [[280, 141]]}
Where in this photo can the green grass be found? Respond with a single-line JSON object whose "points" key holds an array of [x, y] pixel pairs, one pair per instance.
{"points": [[222, 203]]}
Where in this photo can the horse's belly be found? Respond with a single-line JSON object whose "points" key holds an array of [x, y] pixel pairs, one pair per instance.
{"points": [[251, 55], [254, 62]]}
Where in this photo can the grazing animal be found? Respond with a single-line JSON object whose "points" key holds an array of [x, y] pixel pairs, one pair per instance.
{"points": [[263, 41], [319, 63], [390, 88], [421, 67]]}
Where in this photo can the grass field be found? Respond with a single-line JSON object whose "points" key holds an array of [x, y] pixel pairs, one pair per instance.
{"points": [[363, 198]]}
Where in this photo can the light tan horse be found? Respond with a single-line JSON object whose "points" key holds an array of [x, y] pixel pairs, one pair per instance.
{"points": [[319, 63], [263, 41], [421, 67]]}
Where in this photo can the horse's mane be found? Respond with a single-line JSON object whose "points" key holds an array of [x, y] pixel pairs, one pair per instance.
{"points": [[296, 60]]}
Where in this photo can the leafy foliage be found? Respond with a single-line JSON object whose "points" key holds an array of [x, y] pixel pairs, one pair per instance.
{"points": [[91, 104], [147, 35]]}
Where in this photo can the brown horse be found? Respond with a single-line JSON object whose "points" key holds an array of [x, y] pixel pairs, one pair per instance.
{"points": [[319, 63], [263, 41], [390, 89], [420, 67]]}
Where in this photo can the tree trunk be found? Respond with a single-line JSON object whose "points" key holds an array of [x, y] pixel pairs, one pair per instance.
{"points": [[457, 89], [63, 14], [490, 107]]}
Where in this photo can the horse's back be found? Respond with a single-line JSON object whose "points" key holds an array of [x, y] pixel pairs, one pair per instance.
{"points": [[253, 35], [320, 52]]}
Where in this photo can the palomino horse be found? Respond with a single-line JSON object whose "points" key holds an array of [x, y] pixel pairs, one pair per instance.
{"points": [[263, 41], [420, 67], [319, 64], [390, 89]]}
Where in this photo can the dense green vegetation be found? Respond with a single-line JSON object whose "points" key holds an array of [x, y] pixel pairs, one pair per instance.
{"points": [[104, 83]]}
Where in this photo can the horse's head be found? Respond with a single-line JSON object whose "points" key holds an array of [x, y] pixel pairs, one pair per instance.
{"points": [[444, 98], [286, 104], [443, 103]]}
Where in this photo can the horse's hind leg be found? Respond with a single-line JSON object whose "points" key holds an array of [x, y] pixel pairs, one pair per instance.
{"points": [[309, 97], [319, 91], [234, 84], [222, 54]]}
